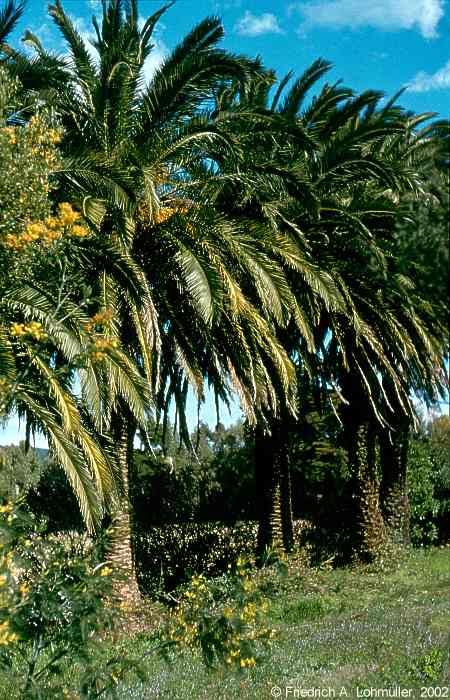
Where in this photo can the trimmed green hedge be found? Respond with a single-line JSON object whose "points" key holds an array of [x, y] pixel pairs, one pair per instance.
{"points": [[170, 555]]}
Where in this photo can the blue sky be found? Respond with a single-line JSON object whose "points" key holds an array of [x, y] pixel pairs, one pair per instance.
{"points": [[376, 44], [379, 44]]}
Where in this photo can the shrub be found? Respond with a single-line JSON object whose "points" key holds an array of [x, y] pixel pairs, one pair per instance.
{"points": [[20, 471], [224, 618], [421, 485], [53, 593], [169, 555], [52, 498]]}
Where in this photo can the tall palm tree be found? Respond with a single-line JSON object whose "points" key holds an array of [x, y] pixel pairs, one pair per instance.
{"points": [[422, 255], [399, 352], [140, 163], [348, 162], [43, 336]]}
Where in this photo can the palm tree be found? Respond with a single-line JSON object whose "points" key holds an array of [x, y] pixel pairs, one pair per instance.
{"points": [[43, 331], [136, 159], [349, 161], [399, 353], [422, 255]]}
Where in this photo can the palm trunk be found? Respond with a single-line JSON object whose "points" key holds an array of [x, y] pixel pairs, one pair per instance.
{"points": [[275, 531], [394, 495], [27, 434], [361, 441], [369, 517], [121, 554], [287, 520], [394, 444]]}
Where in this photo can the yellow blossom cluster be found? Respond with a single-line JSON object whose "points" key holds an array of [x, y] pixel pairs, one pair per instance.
{"points": [[248, 662], [67, 215], [54, 136], [237, 627], [165, 213], [6, 636], [100, 346], [10, 133], [52, 229], [47, 135], [99, 319], [33, 329]]}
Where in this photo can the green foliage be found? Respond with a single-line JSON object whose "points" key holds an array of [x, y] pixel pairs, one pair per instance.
{"points": [[430, 666], [53, 594], [320, 472], [168, 555], [302, 610], [429, 483], [43, 328], [422, 242], [421, 484], [225, 619], [439, 443], [28, 158], [174, 484], [52, 499], [20, 471]]}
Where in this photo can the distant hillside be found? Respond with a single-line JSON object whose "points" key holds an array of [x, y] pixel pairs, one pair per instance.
{"points": [[41, 452]]}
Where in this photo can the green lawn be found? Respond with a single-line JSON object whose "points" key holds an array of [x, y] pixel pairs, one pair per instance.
{"points": [[337, 629]]}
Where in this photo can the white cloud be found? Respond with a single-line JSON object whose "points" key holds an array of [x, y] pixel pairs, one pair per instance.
{"points": [[255, 25], [424, 82], [423, 15], [157, 55], [44, 33]]}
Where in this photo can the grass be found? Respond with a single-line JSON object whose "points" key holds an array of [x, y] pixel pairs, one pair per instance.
{"points": [[345, 630]]}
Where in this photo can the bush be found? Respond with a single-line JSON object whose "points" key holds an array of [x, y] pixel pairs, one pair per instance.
{"points": [[42, 484], [421, 485], [53, 593], [224, 618], [169, 555], [52, 498], [20, 471]]}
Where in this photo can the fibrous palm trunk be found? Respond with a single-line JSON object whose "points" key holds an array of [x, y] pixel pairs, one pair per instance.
{"points": [[394, 494], [361, 445], [273, 479], [121, 551]]}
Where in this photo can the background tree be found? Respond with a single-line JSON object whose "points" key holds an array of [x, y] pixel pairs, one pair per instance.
{"points": [[337, 199]]}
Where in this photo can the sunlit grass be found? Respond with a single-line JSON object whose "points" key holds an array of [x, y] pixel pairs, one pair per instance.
{"points": [[344, 628]]}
